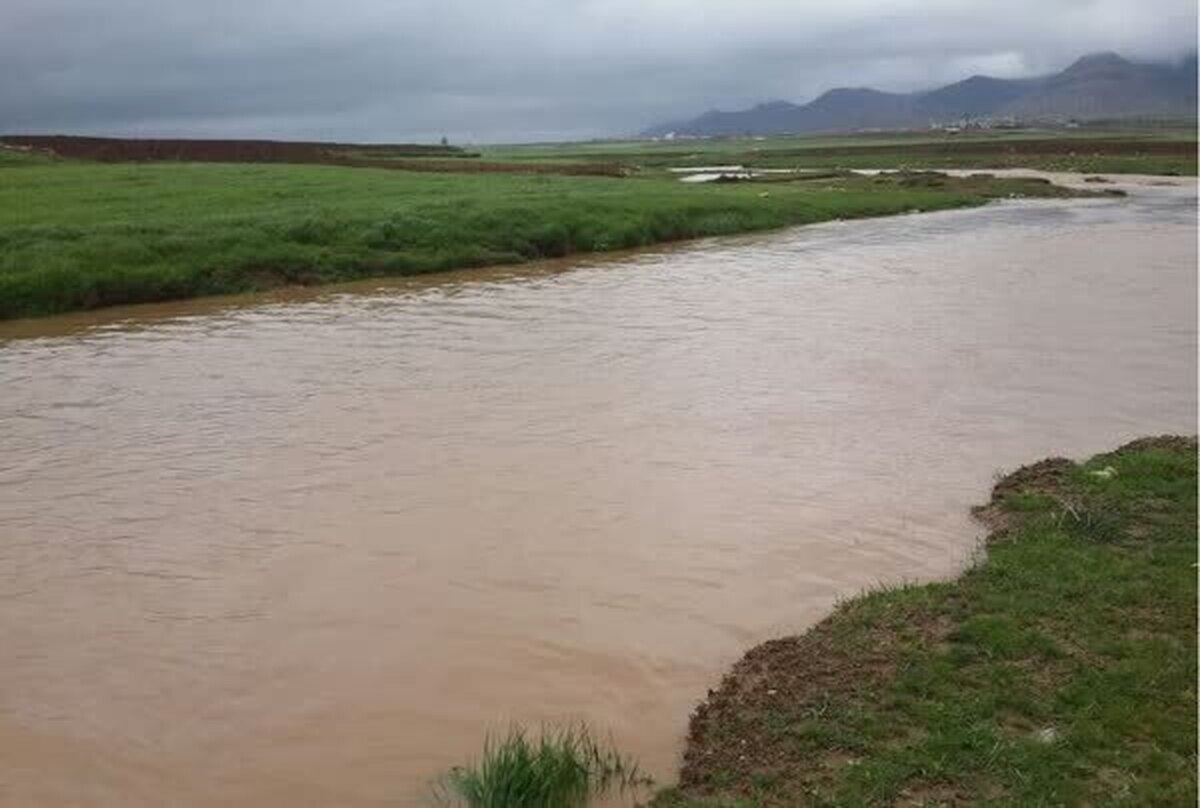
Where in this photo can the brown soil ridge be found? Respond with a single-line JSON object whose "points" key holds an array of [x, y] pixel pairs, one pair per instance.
{"points": [[1174, 443], [399, 156], [802, 675], [109, 149]]}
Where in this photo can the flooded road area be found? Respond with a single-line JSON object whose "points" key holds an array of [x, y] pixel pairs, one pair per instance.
{"points": [[309, 548]]}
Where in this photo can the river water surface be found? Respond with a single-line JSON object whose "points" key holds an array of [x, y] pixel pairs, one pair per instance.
{"points": [[307, 549]]}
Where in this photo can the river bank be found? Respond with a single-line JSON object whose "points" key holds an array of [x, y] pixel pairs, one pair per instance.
{"points": [[1061, 669], [81, 236]]}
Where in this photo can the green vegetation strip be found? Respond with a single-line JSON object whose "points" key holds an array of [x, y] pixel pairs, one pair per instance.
{"points": [[79, 235], [1059, 671]]}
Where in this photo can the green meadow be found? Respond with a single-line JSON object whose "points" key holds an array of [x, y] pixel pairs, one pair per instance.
{"points": [[78, 235]]}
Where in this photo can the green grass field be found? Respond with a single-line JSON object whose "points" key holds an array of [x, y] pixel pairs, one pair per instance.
{"points": [[76, 235], [1060, 671]]}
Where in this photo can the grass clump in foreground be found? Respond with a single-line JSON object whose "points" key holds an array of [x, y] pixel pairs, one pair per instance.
{"points": [[78, 236], [561, 768], [1059, 671]]}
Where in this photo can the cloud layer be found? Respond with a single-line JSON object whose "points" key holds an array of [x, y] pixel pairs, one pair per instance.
{"points": [[509, 70]]}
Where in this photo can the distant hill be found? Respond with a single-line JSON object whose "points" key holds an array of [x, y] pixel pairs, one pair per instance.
{"points": [[1100, 85]]}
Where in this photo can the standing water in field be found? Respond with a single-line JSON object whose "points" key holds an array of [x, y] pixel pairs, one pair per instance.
{"points": [[307, 549]]}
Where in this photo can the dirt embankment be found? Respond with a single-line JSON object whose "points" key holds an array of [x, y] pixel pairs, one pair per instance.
{"points": [[404, 157], [122, 150]]}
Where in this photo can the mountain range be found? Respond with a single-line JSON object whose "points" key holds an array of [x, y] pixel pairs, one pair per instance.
{"points": [[1097, 86]]}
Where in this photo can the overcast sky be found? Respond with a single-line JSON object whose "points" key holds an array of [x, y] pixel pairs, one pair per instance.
{"points": [[510, 70]]}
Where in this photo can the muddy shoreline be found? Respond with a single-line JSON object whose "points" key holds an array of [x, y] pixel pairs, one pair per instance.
{"points": [[737, 744]]}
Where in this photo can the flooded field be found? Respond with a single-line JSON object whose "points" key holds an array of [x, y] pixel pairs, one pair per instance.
{"points": [[308, 548]]}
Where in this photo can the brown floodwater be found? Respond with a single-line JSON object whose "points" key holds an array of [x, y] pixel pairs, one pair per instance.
{"points": [[308, 548]]}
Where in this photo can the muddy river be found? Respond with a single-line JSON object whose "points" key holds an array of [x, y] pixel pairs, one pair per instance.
{"points": [[308, 548]]}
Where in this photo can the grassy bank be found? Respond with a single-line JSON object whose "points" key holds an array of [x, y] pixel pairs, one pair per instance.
{"points": [[77, 235], [1060, 670]]}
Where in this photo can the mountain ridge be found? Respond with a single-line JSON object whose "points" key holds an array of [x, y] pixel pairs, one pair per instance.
{"points": [[1096, 85]]}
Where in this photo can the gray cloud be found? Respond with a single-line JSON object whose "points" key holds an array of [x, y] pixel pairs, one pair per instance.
{"points": [[516, 69]]}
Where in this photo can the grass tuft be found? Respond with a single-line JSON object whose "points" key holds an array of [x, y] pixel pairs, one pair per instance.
{"points": [[560, 768]]}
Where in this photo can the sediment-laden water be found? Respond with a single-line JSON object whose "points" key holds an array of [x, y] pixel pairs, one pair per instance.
{"points": [[307, 549]]}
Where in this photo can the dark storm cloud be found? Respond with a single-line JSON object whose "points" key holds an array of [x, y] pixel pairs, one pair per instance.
{"points": [[515, 69]]}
